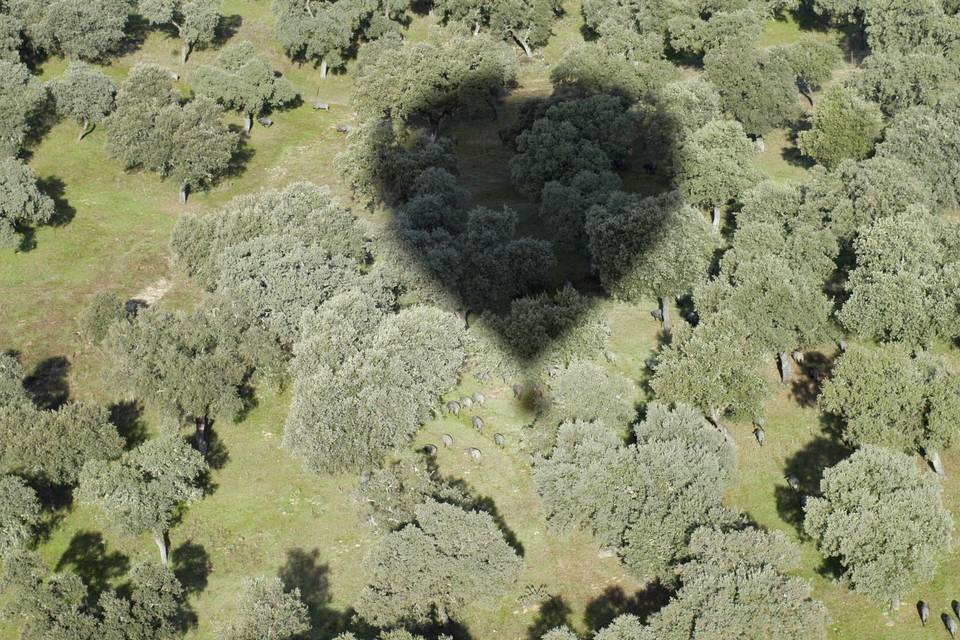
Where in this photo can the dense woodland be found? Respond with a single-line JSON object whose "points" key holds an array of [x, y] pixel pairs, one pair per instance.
{"points": [[478, 319]]}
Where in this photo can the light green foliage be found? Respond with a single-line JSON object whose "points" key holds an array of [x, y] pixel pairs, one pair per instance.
{"points": [[85, 29], [688, 105], [391, 495], [927, 139], [142, 490], [715, 164], [904, 285], [528, 22], [709, 368], [591, 479], [889, 398], [150, 129], [655, 246], [84, 94], [430, 570], [196, 21], [432, 79], [907, 25], [625, 627], [22, 204], [898, 81], [12, 393], [588, 392], [883, 519], [23, 96], [243, 81], [350, 415], [594, 67], [19, 514], [697, 34], [152, 611], [265, 611], [104, 310], [757, 87], [844, 126], [736, 585], [11, 37], [812, 61]]}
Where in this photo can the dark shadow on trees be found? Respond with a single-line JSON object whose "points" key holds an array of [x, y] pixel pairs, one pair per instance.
{"points": [[553, 613], [226, 29], [303, 571], [55, 188], [191, 564], [48, 386], [805, 386], [127, 417], [807, 465], [614, 602], [87, 556]]}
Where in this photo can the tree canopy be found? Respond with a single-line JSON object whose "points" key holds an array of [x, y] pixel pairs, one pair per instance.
{"points": [[266, 611], [844, 126], [84, 94], [22, 204], [21, 100], [196, 21], [19, 514]]}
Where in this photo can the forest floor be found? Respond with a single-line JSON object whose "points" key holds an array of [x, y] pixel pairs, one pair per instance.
{"points": [[264, 514]]}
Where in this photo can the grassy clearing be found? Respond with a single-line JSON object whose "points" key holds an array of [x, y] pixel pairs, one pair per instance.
{"points": [[265, 515]]}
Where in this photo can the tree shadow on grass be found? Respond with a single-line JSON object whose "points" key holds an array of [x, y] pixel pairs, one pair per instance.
{"points": [[303, 571], [487, 505], [226, 29], [614, 602], [87, 556], [55, 189], [47, 386], [127, 417], [191, 564], [805, 388], [553, 613]]}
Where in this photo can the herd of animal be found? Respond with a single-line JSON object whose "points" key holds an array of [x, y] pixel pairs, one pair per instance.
{"points": [[454, 407], [949, 622]]}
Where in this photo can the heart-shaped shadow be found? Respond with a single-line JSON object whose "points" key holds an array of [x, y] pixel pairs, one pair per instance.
{"points": [[489, 218]]}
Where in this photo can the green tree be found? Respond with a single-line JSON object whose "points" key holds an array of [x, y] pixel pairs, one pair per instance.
{"points": [[595, 68], [907, 25], [887, 397], [22, 99], [196, 21], [22, 204], [529, 23], [143, 490], [843, 126], [84, 94], [152, 611], [588, 392], [898, 81], [243, 81], [323, 32], [688, 105], [903, 286], [727, 586], [757, 87], [696, 34], [715, 165], [349, 416], [266, 611], [882, 519], [75, 28], [19, 514], [653, 246], [812, 62], [709, 368], [563, 206], [104, 310], [191, 365], [430, 570]]}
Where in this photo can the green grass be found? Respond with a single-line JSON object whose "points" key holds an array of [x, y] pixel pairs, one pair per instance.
{"points": [[264, 507]]}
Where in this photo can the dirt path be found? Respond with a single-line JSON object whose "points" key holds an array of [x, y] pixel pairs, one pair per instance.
{"points": [[152, 294]]}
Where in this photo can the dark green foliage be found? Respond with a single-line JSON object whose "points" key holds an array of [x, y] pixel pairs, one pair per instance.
{"points": [[563, 207], [904, 285], [85, 29], [737, 585], [898, 81], [889, 398], [596, 68], [527, 22], [697, 34], [429, 571], [11, 37], [196, 21], [844, 126], [620, 491], [22, 204], [19, 514], [883, 519], [12, 393], [391, 495], [649, 247], [84, 94], [243, 81], [103, 311], [349, 415], [757, 87], [22, 98], [266, 611], [907, 25], [812, 61]]}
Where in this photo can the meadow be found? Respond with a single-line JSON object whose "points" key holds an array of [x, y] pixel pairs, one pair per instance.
{"points": [[264, 514]]}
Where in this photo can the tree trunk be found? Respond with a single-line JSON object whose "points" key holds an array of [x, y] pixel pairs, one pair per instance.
{"points": [[185, 52], [84, 130], [758, 141], [786, 369], [323, 68], [201, 435], [716, 218], [523, 44], [715, 417], [183, 193], [934, 457], [665, 313], [476, 29], [248, 122], [161, 540], [895, 603]]}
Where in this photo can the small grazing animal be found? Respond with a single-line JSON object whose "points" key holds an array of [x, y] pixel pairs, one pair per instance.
{"points": [[474, 454], [453, 407], [498, 439], [466, 401], [924, 612], [447, 440], [950, 624], [759, 434], [430, 449], [794, 482], [479, 398], [477, 422]]}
